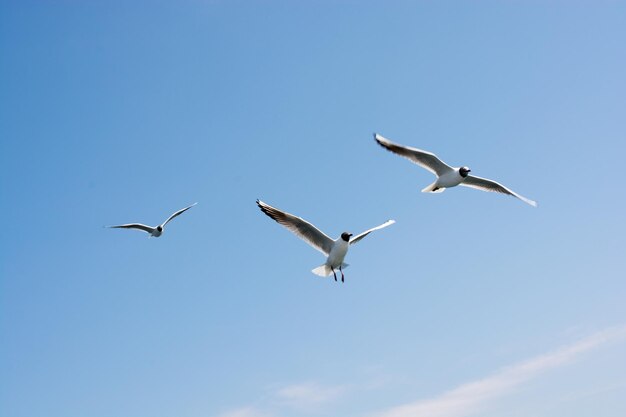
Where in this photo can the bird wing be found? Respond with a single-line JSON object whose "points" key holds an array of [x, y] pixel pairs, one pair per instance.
{"points": [[303, 229], [489, 185], [178, 213], [367, 232], [134, 226], [422, 158]]}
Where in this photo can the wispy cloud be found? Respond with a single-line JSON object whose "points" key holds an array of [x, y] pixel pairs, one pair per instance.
{"points": [[308, 395], [244, 412], [473, 396], [303, 397]]}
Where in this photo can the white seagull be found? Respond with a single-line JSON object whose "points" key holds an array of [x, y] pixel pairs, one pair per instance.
{"points": [[447, 176], [152, 231], [335, 250]]}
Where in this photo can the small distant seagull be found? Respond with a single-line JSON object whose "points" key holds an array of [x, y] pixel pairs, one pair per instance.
{"points": [[152, 231], [447, 176], [335, 250]]}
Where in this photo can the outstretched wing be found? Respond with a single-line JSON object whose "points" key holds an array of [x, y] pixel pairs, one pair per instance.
{"points": [[422, 158], [367, 232], [489, 185], [178, 213], [137, 226], [303, 229]]}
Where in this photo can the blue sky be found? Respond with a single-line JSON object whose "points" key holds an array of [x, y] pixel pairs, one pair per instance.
{"points": [[471, 304]]}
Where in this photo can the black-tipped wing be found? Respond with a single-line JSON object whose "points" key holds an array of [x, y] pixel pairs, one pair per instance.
{"points": [[303, 229], [367, 232], [178, 213], [489, 185], [422, 158], [137, 226]]}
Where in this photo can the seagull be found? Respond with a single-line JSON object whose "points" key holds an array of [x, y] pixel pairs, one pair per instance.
{"points": [[335, 250], [152, 231], [447, 176]]}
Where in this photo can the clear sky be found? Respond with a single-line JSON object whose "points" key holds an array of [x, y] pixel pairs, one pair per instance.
{"points": [[471, 304]]}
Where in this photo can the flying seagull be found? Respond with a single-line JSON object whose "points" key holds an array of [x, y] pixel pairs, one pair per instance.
{"points": [[152, 231], [447, 176], [335, 250]]}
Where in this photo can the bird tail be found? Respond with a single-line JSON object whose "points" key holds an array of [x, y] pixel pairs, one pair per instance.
{"points": [[431, 188], [322, 270], [325, 270]]}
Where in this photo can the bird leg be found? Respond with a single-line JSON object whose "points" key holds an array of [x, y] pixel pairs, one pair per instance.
{"points": [[333, 269], [341, 270]]}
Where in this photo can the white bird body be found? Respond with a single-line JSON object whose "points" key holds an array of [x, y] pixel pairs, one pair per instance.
{"points": [[448, 179], [335, 258], [338, 253], [447, 176], [335, 250]]}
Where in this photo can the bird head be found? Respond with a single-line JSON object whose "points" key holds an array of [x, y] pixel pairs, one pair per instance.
{"points": [[346, 236], [464, 171], [160, 228]]}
